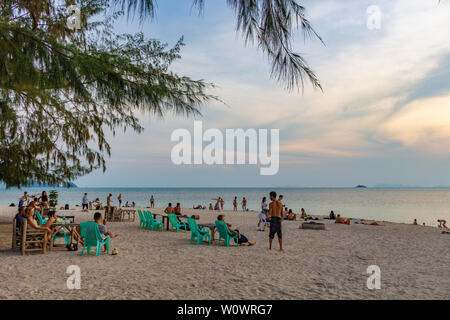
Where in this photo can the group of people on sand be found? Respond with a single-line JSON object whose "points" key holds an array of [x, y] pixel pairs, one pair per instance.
{"points": [[218, 206], [272, 212], [97, 205], [28, 213], [442, 224], [177, 211], [40, 201]]}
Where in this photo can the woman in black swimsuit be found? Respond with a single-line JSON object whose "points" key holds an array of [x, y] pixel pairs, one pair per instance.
{"points": [[44, 200]]}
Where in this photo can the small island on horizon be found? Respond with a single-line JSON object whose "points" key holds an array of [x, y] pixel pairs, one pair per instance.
{"points": [[360, 186]]}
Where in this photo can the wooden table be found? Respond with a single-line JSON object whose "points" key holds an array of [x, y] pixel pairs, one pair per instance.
{"points": [[71, 218], [211, 227], [70, 227], [165, 219]]}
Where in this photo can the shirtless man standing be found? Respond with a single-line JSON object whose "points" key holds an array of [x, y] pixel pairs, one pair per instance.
{"points": [[235, 204], [169, 209], [275, 215]]}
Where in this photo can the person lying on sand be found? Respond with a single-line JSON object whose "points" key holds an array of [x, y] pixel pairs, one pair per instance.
{"points": [[102, 227], [242, 240], [339, 219], [374, 223]]}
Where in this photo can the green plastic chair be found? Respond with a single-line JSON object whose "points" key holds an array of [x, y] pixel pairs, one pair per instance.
{"points": [[40, 220], [175, 223], [62, 234], [197, 232], [92, 237], [224, 233], [152, 222], [142, 221]]}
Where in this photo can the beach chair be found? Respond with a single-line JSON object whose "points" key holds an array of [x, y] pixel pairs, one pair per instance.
{"points": [[152, 222], [176, 223], [142, 221], [224, 233], [197, 232], [40, 220], [28, 239], [92, 237]]}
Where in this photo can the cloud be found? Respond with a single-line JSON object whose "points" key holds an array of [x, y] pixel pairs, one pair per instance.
{"points": [[423, 124], [371, 106]]}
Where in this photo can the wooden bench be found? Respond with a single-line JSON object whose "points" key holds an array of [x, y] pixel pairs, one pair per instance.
{"points": [[28, 239]]}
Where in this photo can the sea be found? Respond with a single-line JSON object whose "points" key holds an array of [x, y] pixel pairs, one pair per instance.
{"points": [[390, 204]]}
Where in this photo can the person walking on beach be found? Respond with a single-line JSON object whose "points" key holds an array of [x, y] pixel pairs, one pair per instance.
{"points": [[235, 204], [152, 202], [120, 199], [262, 215], [244, 204], [85, 203], [275, 215]]}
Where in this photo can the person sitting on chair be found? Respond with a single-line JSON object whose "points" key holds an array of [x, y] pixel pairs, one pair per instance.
{"points": [[29, 215], [242, 240], [102, 227]]}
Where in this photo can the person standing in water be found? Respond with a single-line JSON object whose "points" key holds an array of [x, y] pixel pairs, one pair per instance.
{"points": [[152, 202], [275, 215]]}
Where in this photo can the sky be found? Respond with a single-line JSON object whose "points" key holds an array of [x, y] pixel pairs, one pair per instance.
{"points": [[383, 116]]}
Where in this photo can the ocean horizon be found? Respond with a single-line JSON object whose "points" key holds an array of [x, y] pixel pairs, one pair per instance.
{"points": [[426, 204]]}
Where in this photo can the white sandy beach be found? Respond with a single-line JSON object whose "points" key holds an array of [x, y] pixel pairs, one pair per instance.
{"points": [[330, 264]]}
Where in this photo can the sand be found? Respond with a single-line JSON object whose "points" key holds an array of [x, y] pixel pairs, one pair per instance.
{"points": [[330, 264]]}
